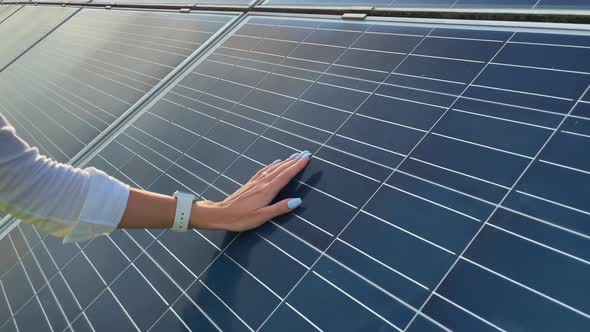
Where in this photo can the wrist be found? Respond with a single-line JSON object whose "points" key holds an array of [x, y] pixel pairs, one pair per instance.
{"points": [[204, 215]]}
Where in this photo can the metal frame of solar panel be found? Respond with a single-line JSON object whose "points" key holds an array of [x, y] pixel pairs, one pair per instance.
{"points": [[434, 200]]}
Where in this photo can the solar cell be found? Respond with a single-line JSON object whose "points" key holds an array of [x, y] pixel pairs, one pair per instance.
{"points": [[94, 67], [434, 201]]}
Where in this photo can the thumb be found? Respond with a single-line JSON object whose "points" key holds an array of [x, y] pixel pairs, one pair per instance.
{"points": [[279, 208]]}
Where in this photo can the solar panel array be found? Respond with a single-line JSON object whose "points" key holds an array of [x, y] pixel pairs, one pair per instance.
{"points": [[448, 188]]}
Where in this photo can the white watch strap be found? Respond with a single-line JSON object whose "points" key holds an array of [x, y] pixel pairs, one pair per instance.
{"points": [[184, 206]]}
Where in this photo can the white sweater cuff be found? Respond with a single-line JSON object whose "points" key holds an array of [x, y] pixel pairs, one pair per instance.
{"points": [[103, 207]]}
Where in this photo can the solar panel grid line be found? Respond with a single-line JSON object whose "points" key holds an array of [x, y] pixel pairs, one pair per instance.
{"points": [[541, 244], [48, 117], [424, 90], [13, 314], [586, 315], [361, 277], [409, 233], [123, 69], [227, 306], [468, 312], [302, 316], [551, 69], [197, 279], [574, 133], [502, 119], [48, 285], [253, 276], [515, 106], [483, 146], [86, 35], [523, 92], [380, 263], [460, 173], [107, 288], [6, 298], [26, 132], [546, 222], [123, 309], [357, 301], [564, 166], [500, 203], [69, 111], [435, 203], [40, 131], [79, 98], [553, 202]]}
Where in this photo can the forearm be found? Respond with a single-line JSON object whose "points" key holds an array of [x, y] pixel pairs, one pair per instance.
{"points": [[148, 210], [152, 210]]}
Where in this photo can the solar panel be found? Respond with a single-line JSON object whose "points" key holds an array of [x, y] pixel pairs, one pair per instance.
{"points": [[21, 30], [7, 10], [512, 4], [434, 200], [92, 69]]}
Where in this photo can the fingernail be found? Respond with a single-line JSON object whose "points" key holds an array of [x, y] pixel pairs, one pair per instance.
{"points": [[305, 155], [294, 155], [295, 202], [276, 161]]}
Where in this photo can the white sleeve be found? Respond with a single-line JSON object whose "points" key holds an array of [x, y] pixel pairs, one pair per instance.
{"points": [[73, 203]]}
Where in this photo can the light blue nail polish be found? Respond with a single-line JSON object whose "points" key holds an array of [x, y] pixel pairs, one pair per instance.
{"points": [[295, 202], [276, 161], [294, 155], [306, 155]]}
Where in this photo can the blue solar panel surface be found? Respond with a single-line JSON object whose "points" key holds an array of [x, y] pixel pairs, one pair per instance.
{"points": [[512, 4], [89, 71], [448, 189]]}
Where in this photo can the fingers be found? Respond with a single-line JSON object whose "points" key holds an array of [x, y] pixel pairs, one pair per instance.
{"points": [[287, 164], [279, 208], [267, 169], [287, 174], [265, 178]]}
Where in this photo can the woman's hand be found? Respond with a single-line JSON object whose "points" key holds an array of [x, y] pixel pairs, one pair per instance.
{"points": [[249, 207]]}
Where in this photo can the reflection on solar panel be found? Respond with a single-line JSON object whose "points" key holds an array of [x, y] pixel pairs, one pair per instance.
{"points": [[7, 10], [434, 201], [515, 4], [92, 69], [21, 30]]}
